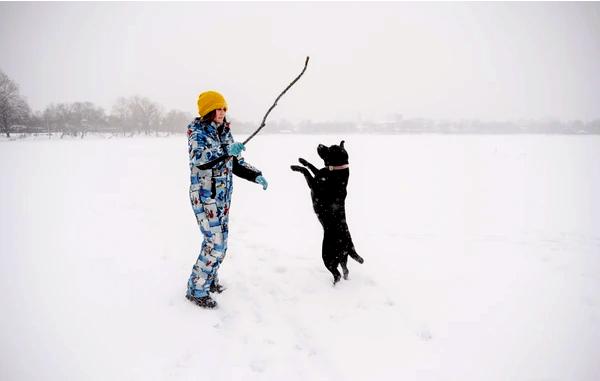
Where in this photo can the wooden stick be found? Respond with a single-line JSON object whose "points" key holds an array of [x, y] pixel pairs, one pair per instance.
{"points": [[275, 104]]}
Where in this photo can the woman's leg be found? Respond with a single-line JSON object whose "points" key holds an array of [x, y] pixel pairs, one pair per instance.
{"points": [[213, 249], [205, 268], [225, 231]]}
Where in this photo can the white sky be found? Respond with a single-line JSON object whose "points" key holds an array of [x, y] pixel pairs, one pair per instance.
{"points": [[369, 61]]}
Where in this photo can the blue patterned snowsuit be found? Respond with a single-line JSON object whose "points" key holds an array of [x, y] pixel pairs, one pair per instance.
{"points": [[210, 194]]}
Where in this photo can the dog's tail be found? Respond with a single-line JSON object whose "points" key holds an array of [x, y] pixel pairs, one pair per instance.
{"points": [[355, 256]]}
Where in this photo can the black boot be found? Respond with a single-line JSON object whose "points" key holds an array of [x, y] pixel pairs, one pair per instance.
{"points": [[215, 287], [204, 301]]}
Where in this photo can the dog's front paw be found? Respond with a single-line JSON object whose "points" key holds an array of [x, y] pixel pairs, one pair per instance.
{"points": [[302, 161], [296, 168]]}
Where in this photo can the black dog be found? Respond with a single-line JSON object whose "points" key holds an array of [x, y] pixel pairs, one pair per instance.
{"points": [[328, 191]]}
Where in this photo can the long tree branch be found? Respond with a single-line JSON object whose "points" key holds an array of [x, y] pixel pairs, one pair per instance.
{"points": [[275, 104]]}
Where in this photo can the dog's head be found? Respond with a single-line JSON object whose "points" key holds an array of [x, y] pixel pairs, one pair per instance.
{"points": [[333, 155]]}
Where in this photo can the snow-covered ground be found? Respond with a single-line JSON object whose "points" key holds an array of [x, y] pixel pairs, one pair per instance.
{"points": [[482, 262]]}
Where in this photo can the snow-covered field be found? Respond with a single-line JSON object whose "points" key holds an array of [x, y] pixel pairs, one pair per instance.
{"points": [[482, 262]]}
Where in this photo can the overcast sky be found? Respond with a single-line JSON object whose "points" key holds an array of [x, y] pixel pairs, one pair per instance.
{"points": [[437, 60]]}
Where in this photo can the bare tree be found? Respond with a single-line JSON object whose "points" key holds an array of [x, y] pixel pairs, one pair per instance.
{"points": [[137, 114], [149, 114], [175, 121], [60, 117], [121, 116], [52, 118], [86, 117], [13, 108], [74, 118]]}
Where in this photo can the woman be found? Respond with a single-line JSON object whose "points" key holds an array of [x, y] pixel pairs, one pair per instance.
{"points": [[214, 157]]}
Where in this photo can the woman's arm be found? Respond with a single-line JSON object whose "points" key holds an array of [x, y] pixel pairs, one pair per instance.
{"points": [[245, 170]]}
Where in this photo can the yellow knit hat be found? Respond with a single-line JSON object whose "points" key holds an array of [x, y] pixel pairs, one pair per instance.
{"points": [[209, 101]]}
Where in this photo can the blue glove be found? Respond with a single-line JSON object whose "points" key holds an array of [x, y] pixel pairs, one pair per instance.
{"points": [[262, 181], [234, 149]]}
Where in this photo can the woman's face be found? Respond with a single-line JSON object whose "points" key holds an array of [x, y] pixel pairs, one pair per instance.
{"points": [[220, 115]]}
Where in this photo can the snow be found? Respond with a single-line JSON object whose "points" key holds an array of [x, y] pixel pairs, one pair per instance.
{"points": [[482, 262]]}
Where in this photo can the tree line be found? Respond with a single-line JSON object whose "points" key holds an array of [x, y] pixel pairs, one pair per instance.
{"points": [[129, 116], [140, 116]]}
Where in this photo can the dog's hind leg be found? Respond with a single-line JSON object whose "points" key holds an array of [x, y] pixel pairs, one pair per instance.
{"points": [[332, 267], [352, 253], [329, 253], [344, 263]]}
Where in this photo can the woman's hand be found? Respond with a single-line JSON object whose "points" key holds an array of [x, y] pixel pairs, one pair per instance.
{"points": [[234, 149], [262, 181]]}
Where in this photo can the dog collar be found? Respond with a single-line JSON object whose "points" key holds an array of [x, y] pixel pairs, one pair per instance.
{"points": [[337, 167]]}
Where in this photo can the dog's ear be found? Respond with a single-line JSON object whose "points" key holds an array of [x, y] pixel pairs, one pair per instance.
{"points": [[342, 144]]}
